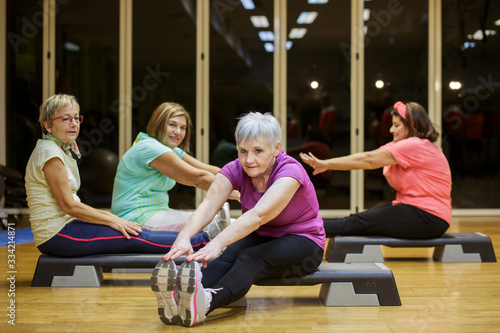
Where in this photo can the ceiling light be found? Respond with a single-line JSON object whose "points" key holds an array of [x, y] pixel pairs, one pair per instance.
{"points": [[71, 47], [455, 85], [248, 4], [478, 35], [266, 36], [307, 17], [289, 45], [297, 33], [259, 21], [497, 22], [366, 14], [314, 84], [317, 2], [269, 47], [379, 84], [468, 45]]}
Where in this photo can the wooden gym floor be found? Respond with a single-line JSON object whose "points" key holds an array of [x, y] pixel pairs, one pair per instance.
{"points": [[436, 297]]}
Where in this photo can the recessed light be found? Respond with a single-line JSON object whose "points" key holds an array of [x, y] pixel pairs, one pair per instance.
{"points": [[307, 17], [259, 21], [248, 4], [297, 33], [269, 47], [266, 36]]}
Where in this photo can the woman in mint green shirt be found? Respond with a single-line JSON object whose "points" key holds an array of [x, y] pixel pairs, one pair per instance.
{"points": [[61, 224], [153, 165]]}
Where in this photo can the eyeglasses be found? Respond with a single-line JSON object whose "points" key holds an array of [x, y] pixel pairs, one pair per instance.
{"points": [[67, 119]]}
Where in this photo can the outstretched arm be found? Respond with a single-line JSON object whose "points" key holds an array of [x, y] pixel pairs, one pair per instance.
{"points": [[217, 194], [57, 179], [272, 203], [182, 172], [366, 161], [188, 171], [200, 165]]}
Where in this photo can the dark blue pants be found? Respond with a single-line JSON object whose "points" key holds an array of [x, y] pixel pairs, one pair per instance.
{"points": [[80, 238], [257, 257], [400, 221]]}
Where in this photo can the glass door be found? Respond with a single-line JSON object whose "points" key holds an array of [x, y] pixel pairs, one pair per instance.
{"points": [[23, 80], [164, 69], [87, 35], [471, 100], [396, 69], [241, 71], [318, 91]]}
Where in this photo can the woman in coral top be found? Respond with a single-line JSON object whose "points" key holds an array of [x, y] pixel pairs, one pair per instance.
{"points": [[414, 167]]}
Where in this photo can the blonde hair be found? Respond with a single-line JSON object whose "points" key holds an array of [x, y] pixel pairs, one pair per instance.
{"points": [[157, 126], [53, 104]]}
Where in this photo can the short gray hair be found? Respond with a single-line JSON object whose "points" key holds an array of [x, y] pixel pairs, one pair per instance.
{"points": [[255, 124]]}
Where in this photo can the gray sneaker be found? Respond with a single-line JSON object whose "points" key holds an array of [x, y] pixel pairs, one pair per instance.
{"points": [[164, 285], [194, 300], [219, 223], [225, 215]]}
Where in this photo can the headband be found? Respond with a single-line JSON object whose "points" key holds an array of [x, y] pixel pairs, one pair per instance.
{"points": [[401, 108]]}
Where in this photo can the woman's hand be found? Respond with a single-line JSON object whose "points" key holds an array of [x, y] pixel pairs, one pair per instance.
{"points": [[211, 251], [181, 246], [318, 165], [127, 228], [235, 195]]}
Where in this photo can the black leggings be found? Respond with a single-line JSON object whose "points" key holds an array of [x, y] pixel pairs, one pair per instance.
{"points": [[257, 257], [400, 221]]}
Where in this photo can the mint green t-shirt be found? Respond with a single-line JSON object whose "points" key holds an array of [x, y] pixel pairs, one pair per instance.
{"points": [[140, 191]]}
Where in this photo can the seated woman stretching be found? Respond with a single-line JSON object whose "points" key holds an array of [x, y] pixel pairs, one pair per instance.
{"points": [[153, 165], [279, 235], [414, 167], [61, 224]]}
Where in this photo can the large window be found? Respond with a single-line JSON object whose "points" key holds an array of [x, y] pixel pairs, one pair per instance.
{"points": [[241, 72], [320, 118], [471, 101], [396, 69], [23, 80], [164, 69], [318, 92], [87, 34]]}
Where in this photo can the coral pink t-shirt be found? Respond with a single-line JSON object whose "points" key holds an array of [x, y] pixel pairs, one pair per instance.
{"points": [[300, 216], [422, 177]]}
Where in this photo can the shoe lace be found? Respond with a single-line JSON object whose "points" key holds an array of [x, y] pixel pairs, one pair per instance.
{"points": [[209, 291], [212, 290]]}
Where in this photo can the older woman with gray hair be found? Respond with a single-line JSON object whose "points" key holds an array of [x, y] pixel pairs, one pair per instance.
{"points": [[280, 233]]}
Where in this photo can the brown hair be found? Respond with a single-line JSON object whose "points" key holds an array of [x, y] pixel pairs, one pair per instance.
{"points": [[418, 122], [161, 115]]}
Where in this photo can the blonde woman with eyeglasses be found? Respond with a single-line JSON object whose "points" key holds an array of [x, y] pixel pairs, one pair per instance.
{"points": [[61, 224]]}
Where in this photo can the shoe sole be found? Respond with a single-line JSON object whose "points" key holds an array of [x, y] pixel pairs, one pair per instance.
{"points": [[164, 283], [188, 276]]}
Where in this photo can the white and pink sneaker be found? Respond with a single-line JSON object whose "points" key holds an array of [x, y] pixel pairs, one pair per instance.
{"points": [[164, 285], [194, 300]]}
